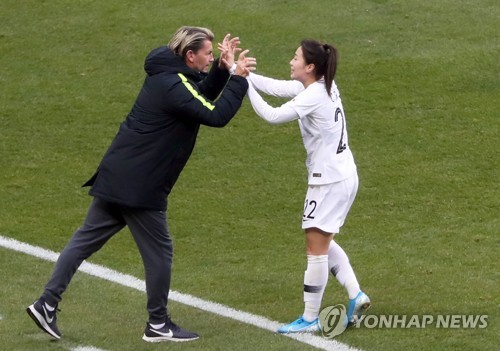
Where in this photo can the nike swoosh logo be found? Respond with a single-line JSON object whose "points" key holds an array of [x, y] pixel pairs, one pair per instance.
{"points": [[49, 320], [168, 335]]}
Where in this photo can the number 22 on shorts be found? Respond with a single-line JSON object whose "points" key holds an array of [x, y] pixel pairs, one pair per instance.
{"points": [[309, 208]]}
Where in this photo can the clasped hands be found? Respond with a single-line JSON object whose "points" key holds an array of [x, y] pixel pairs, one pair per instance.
{"points": [[229, 48]]}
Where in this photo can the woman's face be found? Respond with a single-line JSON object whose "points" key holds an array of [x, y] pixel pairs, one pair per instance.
{"points": [[299, 70]]}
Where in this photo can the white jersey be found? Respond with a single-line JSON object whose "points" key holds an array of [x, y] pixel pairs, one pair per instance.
{"points": [[321, 120]]}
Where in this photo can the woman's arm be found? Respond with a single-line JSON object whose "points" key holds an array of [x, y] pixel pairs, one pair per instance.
{"points": [[275, 87], [274, 115]]}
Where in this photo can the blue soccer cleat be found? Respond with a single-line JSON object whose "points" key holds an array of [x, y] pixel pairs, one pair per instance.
{"points": [[357, 306], [300, 326]]}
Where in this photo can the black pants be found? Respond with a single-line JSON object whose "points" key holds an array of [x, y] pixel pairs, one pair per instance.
{"points": [[150, 231]]}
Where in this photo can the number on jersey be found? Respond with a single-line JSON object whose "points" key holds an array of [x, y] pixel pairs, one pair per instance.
{"points": [[339, 114]]}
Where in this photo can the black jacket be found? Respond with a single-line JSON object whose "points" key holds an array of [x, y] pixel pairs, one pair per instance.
{"points": [[156, 139]]}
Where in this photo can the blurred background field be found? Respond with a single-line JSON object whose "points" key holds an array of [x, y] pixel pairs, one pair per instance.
{"points": [[420, 86]]}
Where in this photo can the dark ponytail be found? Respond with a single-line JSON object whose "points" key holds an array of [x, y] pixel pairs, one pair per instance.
{"points": [[323, 57]]}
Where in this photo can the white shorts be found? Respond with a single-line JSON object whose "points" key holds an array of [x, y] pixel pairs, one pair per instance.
{"points": [[326, 206]]}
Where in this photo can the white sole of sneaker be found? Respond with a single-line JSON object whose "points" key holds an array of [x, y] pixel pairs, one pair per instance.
{"points": [[162, 339]]}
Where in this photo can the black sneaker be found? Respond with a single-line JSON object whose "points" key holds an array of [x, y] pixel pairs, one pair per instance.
{"points": [[45, 319], [169, 332]]}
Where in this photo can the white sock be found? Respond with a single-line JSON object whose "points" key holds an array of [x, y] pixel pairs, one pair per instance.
{"points": [[315, 279], [339, 265], [157, 326], [49, 307]]}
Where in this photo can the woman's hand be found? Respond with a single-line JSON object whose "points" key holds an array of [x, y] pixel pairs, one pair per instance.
{"points": [[245, 64]]}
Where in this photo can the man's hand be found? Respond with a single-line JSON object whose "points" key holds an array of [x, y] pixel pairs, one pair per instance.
{"points": [[228, 48]]}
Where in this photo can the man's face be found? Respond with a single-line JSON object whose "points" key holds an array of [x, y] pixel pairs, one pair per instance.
{"points": [[200, 61]]}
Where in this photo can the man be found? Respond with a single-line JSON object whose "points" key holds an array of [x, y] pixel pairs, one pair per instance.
{"points": [[143, 162]]}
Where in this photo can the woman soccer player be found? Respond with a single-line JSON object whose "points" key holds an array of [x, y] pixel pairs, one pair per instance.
{"points": [[332, 174]]}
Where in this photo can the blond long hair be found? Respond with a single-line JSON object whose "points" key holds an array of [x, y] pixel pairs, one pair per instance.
{"points": [[189, 38]]}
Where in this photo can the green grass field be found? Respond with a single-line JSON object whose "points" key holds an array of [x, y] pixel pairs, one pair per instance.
{"points": [[421, 90]]}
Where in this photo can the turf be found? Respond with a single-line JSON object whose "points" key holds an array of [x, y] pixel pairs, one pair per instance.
{"points": [[419, 82]]}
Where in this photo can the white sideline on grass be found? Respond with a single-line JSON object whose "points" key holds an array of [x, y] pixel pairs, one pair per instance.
{"points": [[213, 307]]}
